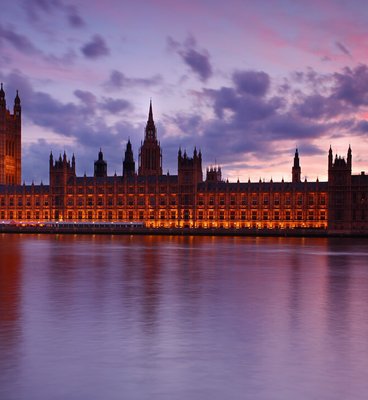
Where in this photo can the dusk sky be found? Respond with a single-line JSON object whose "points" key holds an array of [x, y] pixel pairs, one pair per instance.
{"points": [[244, 81]]}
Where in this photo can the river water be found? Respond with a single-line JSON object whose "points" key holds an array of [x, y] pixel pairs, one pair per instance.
{"points": [[145, 317]]}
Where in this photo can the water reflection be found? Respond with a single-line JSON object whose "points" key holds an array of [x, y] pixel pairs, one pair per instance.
{"points": [[182, 317]]}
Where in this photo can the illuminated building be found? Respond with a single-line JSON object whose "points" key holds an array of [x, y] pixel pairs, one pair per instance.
{"points": [[187, 200], [10, 141]]}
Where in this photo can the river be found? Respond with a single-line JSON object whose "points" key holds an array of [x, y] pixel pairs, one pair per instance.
{"points": [[153, 317]]}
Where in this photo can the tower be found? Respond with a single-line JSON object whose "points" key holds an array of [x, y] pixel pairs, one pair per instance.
{"points": [[296, 170], [128, 163], [10, 141], [100, 166], [339, 192], [150, 156], [62, 175], [189, 175]]}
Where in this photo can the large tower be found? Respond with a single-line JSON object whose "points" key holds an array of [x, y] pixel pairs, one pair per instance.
{"points": [[150, 157], [296, 170], [10, 141]]}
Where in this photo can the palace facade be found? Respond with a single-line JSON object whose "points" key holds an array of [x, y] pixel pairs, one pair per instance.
{"points": [[185, 200]]}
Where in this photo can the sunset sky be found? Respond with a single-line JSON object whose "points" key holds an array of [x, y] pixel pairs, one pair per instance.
{"points": [[245, 81]]}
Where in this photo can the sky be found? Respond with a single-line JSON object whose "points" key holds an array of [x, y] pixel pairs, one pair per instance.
{"points": [[245, 81]]}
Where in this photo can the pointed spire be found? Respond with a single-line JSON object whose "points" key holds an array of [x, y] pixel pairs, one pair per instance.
{"points": [[150, 113], [17, 99], [150, 127], [2, 97]]}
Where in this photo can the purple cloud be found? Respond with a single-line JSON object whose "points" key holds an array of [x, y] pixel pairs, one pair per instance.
{"points": [[19, 42], [74, 19], [118, 80], [35, 8], [255, 83], [343, 48], [115, 106], [351, 86], [95, 48], [197, 61]]}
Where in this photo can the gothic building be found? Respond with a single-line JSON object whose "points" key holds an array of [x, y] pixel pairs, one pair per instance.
{"points": [[185, 200], [10, 141]]}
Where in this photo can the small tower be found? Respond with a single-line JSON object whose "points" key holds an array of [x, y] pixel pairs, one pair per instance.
{"points": [[213, 174], [339, 192], [100, 170], [150, 156], [296, 170], [128, 163]]}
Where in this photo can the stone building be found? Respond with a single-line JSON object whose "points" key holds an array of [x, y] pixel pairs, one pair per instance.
{"points": [[188, 199]]}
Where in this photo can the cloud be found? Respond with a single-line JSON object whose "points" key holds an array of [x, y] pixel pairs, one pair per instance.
{"points": [[351, 86], [18, 41], [35, 9], [198, 61], [95, 48], [255, 83], [343, 48], [73, 17], [118, 80], [115, 106]]}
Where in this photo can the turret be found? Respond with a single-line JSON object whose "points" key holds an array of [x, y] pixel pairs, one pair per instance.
{"points": [[296, 170], [17, 107], [128, 163], [100, 166], [2, 98]]}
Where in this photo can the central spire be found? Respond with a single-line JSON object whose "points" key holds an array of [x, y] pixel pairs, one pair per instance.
{"points": [[150, 127], [150, 157]]}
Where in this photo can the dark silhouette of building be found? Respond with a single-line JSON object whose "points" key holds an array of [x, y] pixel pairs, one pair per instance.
{"points": [[186, 199], [10, 141]]}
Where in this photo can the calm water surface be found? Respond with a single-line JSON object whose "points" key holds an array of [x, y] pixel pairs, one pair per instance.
{"points": [[100, 317]]}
